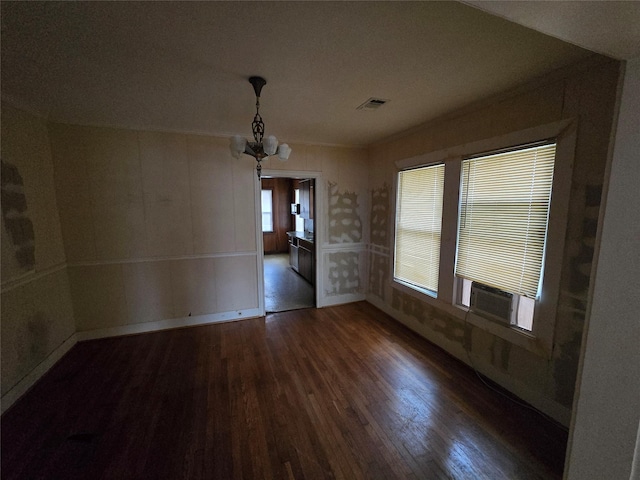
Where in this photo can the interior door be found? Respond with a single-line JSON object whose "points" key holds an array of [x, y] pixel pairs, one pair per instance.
{"points": [[276, 240]]}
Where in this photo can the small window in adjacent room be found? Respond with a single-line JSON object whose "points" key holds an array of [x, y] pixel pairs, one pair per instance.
{"points": [[418, 228], [267, 210], [299, 219], [502, 227]]}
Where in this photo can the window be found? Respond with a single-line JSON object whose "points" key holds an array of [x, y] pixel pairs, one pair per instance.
{"points": [[504, 210], [519, 269], [299, 219], [267, 210], [418, 227]]}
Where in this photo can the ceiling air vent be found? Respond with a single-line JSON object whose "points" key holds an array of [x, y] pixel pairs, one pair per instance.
{"points": [[372, 104]]}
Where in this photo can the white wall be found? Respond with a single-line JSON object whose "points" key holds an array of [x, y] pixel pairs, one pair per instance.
{"points": [[607, 409], [162, 226]]}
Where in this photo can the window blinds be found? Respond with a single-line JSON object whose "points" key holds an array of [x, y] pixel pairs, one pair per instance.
{"points": [[418, 226], [504, 207]]}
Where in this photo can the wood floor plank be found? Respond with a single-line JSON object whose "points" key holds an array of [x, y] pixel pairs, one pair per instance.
{"points": [[342, 392]]}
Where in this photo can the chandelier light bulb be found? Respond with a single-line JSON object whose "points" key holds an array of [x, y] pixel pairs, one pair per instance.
{"points": [[238, 144], [270, 145], [284, 151]]}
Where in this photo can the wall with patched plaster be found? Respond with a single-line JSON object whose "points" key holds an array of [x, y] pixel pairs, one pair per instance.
{"points": [[345, 224], [380, 232], [37, 314], [345, 259], [587, 93], [15, 216], [343, 271]]}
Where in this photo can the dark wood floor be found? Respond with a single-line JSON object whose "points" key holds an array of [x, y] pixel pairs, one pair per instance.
{"points": [[342, 392]]}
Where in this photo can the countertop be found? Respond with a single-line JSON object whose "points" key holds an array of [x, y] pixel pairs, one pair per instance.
{"points": [[302, 236]]}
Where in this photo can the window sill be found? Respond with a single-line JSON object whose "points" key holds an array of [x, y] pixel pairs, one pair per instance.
{"points": [[409, 287]]}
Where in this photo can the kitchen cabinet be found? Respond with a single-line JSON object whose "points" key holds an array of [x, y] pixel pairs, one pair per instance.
{"points": [[293, 252], [307, 198], [306, 264]]}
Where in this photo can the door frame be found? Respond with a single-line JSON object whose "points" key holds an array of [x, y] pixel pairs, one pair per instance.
{"points": [[318, 215]]}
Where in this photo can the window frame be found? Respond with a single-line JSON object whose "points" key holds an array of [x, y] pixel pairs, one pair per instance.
{"points": [[540, 339]]}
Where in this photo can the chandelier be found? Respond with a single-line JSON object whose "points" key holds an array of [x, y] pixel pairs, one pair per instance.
{"points": [[261, 147]]}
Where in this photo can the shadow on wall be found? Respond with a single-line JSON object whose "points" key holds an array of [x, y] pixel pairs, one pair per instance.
{"points": [[15, 217]]}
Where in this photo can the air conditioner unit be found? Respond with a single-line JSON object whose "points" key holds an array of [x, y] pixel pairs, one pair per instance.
{"points": [[491, 303]]}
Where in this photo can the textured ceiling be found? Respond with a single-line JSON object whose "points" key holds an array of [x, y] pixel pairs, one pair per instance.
{"points": [[183, 66]]}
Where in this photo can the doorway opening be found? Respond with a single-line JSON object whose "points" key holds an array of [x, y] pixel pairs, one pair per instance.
{"points": [[288, 234]]}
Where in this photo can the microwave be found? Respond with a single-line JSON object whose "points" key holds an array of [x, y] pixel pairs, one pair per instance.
{"points": [[295, 209]]}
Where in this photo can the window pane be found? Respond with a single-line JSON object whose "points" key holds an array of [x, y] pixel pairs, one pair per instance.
{"points": [[504, 207], [418, 226], [526, 308], [299, 219], [267, 210], [464, 292]]}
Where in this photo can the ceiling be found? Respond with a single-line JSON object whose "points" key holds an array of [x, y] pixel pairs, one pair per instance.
{"points": [[183, 66], [608, 27]]}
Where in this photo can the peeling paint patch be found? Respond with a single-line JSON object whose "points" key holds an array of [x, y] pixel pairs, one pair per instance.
{"points": [[452, 329], [380, 215], [344, 273], [409, 306], [379, 233], [15, 216], [378, 274], [345, 225], [449, 327]]}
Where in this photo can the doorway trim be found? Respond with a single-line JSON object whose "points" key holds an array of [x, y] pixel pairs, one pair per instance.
{"points": [[318, 215]]}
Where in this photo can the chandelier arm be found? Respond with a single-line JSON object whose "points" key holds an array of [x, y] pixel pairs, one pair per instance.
{"points": [[249, 151]]}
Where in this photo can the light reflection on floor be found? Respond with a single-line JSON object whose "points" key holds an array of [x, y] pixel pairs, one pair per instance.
{"points": [[432, 427]]}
